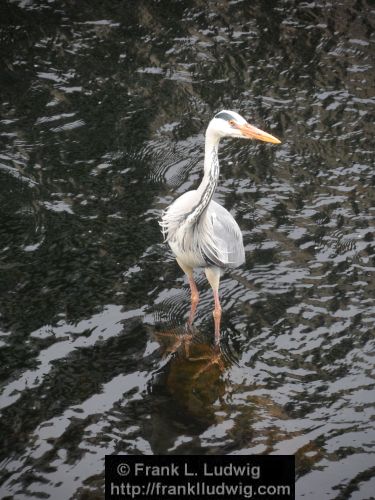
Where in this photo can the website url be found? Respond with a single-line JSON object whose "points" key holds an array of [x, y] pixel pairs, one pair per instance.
{"points": [[198, 489]]}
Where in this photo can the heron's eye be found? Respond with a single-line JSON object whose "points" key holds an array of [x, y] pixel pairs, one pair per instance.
{"points": [[232, 123]]}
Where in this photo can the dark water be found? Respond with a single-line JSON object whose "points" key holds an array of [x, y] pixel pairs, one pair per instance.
{"points": [[103, 111]]}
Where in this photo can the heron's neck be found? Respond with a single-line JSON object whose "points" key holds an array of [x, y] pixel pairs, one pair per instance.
{"points": [[211, 163], [211, 168], [208, 185]]}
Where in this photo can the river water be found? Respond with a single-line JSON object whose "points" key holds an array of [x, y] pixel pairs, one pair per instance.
{"points": [[103, 112]]}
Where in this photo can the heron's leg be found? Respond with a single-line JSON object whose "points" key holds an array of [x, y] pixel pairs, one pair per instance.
{"points": [[213, 276], [194, 299], [194, 291]]}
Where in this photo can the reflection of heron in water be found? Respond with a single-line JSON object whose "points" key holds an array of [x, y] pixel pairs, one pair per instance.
{"points": [[195, 355], [192, 374], [200, 232], [242, 410]]}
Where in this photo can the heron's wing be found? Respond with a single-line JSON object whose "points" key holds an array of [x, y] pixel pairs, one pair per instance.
{"points": [[220, 237], [215, 239]]}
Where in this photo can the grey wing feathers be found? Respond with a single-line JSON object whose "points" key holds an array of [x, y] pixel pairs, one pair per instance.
{"points": [[221, 238], [214, 240]]}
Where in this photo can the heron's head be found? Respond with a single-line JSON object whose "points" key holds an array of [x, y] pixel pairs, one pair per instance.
{"points": [[231, 124]]}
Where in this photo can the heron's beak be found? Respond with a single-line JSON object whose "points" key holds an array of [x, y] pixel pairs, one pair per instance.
{"points": [[251, 132]]}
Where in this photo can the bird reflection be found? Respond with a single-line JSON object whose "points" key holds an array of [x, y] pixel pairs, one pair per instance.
{"points": [[199, 397], [173, 341], [192, 352], [194, 373]]}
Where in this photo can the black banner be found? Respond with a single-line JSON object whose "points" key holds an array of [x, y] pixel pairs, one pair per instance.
{"points": [[227, 477]]}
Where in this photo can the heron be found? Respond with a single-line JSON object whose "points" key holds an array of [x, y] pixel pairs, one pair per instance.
{"points": [[201, 232]]}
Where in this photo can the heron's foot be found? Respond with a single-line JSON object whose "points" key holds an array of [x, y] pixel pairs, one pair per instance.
{"points": [[177, 342], [215, 358]]}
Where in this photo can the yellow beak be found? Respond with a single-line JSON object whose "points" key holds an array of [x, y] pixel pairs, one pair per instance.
{"points": [[251, 132]]}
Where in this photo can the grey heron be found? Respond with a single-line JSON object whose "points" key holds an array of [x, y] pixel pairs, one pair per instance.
{"points": [[200, 232]]}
